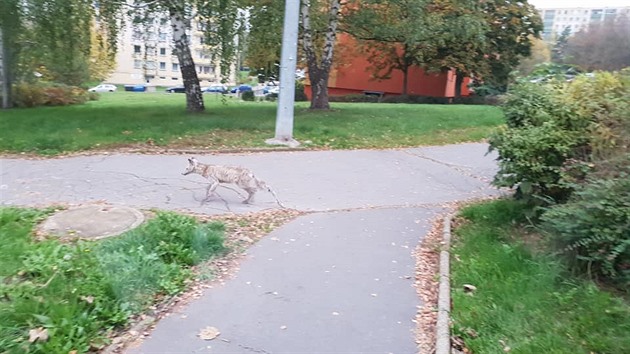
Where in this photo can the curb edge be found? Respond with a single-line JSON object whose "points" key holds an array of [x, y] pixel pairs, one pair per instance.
{"points": [[443, 333]]}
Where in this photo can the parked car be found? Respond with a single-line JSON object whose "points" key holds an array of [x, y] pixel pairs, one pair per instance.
{"points": [[271, 90], [241, 88], [176, 89], [215, 89], [103, 88], [270, 86], [135, 88]]}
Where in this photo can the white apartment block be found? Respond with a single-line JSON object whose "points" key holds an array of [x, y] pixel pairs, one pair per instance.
{"points": [[555, 20], [145, 56]]}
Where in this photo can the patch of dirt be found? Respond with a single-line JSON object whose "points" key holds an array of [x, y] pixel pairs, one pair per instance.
{"points": [[241, 232]]}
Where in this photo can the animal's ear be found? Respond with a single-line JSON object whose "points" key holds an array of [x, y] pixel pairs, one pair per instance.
{"points": [[193, 160]]}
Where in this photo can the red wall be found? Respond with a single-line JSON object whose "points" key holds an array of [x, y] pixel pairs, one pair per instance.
{"points": [[352, 76]]}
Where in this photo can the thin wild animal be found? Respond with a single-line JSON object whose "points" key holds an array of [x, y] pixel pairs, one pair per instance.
{"points": [[239, 176]]}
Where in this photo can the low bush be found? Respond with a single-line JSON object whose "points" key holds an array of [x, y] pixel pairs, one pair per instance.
{"points": [[593, 228], [300, 95], [248, 96], [566, 147], [550, 126], [414, 99], [354, 98], [44, 94]]}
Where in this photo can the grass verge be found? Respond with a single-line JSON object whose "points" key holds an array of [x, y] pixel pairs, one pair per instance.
{"points": [[70, 297], [124, 119], [525, 301]]}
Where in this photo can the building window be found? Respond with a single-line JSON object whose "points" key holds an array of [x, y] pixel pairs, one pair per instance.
{"points": [[206, 69], [162, 51], [150, 65], [174, 78], [137, 64], [162, 37], [137, 49], [175, 67], [162, 65], [162, 77], [550, 14]]}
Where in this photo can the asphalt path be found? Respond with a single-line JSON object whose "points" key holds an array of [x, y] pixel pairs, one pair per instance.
{"points": [[336, 280]]}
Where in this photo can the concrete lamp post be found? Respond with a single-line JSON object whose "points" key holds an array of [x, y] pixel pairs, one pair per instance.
{"points": [[286, 97]]}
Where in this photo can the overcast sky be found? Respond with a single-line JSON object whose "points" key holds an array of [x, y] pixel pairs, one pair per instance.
{"points": [[578, 3]]}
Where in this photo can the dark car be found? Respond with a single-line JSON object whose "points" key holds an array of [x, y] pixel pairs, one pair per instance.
{"points": [[176, 89], [241, 88]]}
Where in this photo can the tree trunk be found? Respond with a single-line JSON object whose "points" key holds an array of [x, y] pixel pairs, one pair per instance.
{"points": [[5, 70], [459, 80], [405, 71], [319, 72], [194, 97], [319, 88]]}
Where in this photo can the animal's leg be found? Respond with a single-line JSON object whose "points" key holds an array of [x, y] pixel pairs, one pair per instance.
{"points": [[250, 195], [211, 188]]}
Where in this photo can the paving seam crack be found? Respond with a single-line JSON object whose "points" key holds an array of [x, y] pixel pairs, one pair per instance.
{"points": [[455, 167]]}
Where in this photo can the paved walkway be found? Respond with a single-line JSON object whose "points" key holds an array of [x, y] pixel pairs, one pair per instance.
{"points": [[338, 280]]}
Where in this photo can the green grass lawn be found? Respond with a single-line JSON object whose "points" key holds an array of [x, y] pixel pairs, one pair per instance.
{"points": [[140, 119], [77, 293], [525, 299]]}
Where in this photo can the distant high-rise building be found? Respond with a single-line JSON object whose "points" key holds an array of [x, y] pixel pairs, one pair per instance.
{"points": [[146, 55], [555, 20]]}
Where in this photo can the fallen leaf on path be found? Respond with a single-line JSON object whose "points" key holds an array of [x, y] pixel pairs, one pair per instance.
{"points": [[209, 333]]}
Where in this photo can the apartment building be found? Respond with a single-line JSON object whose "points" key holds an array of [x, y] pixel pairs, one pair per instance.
{"points": [[146, 56], [555, 20]]}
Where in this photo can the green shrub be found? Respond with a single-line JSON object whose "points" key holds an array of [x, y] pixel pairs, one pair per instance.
{"points": [[45, 94], [28, 95], [553, 128], [593, 228], [300, 95], [541, 134], [248, 96], [353, 98]]}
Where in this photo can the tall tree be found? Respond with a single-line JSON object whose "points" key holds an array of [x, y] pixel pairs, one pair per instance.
{"points": [[540, 54], [604, 46], [320, 19], [61, 29], [558, 52], [264, 37], [10, 30], [391, 33], [512, 25], [458, 29]]}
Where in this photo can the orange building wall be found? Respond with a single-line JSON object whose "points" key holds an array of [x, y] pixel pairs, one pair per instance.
{"points": [[352, 76]]}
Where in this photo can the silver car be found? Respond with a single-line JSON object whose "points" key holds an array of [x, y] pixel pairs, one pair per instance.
{"points": [[103, 88]]}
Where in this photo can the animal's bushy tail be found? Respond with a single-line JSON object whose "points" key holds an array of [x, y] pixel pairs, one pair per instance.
{"points": [[264, 185]]}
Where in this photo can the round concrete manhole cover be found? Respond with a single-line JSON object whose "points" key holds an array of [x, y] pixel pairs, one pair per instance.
{"points": [[92, 221]]}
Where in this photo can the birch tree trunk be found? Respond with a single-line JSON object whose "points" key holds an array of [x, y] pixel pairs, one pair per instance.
{"points": [[319, 70], [194, 97]]}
